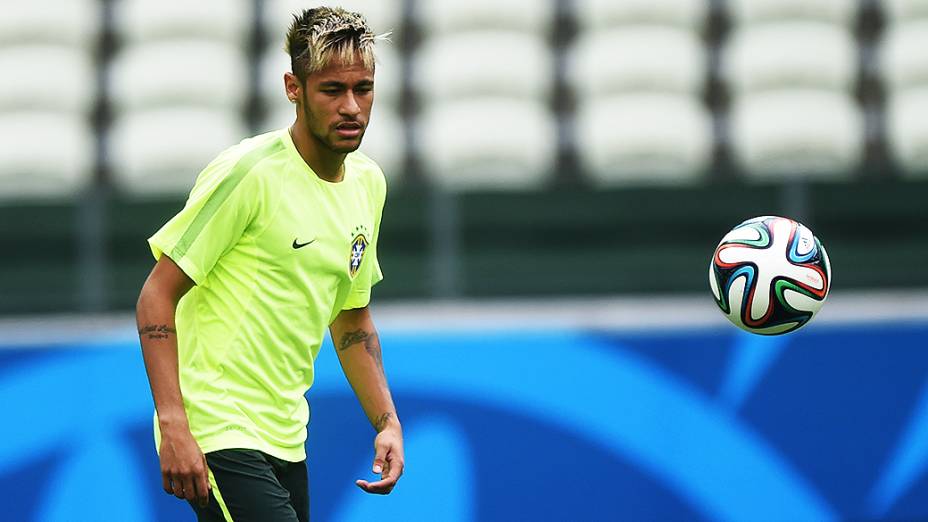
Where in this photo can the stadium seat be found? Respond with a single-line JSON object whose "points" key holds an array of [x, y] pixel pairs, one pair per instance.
{"points": [[151, 152], [484, 63], [488, 143], [68, 22], [796, 133], [29, 170], [905, 10], [652, 58], [907, 130], [903, 55], [606, 14], [139, 21], [176, 72], [644, 139], [47, 78], [442, 17], [385, 142], [275, 62], [790, 55], [840, 12], [384, 16]]}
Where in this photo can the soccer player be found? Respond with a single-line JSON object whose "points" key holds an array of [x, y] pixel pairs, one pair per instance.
{"points": [[277, 241]]}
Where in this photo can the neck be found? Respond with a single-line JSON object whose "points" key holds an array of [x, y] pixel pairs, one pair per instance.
{"points": [[327, 164]]}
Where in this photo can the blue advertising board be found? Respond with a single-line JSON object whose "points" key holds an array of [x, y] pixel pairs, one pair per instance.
{"points": [[828, 423]]}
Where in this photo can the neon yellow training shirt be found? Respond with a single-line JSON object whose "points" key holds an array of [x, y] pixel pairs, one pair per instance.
{"points": [[276, 253]]}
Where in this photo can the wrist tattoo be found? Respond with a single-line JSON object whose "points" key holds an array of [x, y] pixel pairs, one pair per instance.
{"points": [[382, 421], [156, 331]]}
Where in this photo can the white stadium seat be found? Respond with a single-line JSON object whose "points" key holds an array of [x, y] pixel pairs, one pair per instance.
{"points": [[907, 130], [383, 16], [904, 55], [151, 152], [488, 143], [47, 77], [798, 133], [905, 10], [636, 58], [385, 141], [790, 55], [441, 17], [272, 65], [644, 139], [146, 20], [67, 22], [840, 12], [29, 170], [388, 77], [605, 14], [278, 118], [484, 63], [179, 72]]}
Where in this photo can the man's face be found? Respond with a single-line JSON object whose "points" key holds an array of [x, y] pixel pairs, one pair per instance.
{"points": [[337, 104]]}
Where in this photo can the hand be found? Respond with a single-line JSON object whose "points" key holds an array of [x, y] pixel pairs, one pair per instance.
{"points": [[184, 472], [388, 461]]}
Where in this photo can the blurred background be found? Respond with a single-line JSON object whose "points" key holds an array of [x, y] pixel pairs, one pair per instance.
{"points": [[560, 172]]}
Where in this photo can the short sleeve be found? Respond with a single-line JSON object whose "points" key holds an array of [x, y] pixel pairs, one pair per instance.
{"points": [[221, 205], [370, 273]]}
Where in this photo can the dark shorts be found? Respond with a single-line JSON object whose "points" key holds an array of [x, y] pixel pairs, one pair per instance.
{"points": [[254, 486]]}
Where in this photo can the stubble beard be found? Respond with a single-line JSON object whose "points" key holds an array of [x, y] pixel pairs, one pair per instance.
{"points": [[321, 139]]}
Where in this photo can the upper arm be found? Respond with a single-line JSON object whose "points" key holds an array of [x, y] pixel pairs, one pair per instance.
{"points": [[167, 280], [351, 318], [349, 322]]}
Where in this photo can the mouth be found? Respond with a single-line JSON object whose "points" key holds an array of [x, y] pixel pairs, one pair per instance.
{"points": [[349, 129]]}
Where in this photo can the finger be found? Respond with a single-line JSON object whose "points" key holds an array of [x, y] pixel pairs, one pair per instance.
{"points": [[206, 473], [395, 466], [177, 486], [190, 491], [166, 483], [380, 487], [202, 488]]}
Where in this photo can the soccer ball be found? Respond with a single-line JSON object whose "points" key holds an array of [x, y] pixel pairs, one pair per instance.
{"points": [[770, 275]]}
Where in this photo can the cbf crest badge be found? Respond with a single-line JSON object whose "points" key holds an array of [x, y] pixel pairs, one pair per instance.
{"points": [[358, 247]]}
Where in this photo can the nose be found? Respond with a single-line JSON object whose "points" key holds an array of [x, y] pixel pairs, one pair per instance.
{"points": [[350, 106]]}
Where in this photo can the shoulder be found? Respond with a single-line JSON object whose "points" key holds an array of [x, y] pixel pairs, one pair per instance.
{"points": [[242, 162], [368, 172]]}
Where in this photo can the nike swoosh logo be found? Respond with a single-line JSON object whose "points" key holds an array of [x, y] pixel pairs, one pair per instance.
{"points": [[301, 245]]}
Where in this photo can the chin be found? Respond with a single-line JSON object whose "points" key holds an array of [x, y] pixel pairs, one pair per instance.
{"points": [[344, 146]]}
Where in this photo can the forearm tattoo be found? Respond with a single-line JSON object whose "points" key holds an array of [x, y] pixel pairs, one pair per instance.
{"points": [[382, 421], [156, 331], [371, 344], [350, 339]]}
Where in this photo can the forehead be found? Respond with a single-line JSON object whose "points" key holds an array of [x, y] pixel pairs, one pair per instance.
{"points": [[342, 72]]}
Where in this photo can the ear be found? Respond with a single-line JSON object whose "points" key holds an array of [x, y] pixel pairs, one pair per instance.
{"points": [[293, 87]]}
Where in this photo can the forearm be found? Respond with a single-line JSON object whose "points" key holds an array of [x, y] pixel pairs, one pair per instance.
{"points": [[358, 348], [158, 337]]}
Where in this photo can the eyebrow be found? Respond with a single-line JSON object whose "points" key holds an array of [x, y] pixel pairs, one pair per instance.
{"points": [[341, 85]]}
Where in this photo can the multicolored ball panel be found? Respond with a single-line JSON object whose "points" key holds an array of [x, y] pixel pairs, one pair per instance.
{"points": [[770, 275]]}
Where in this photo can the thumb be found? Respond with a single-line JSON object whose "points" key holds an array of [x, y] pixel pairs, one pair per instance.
{"points": [[380, 455]]}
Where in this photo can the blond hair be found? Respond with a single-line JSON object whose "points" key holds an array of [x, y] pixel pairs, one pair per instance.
{"points": [[324, 35]]}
